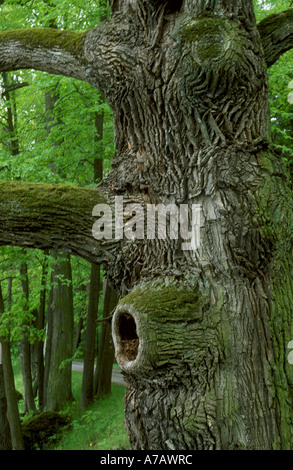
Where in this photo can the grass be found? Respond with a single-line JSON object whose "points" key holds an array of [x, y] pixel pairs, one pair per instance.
{"points": [[101, 427]]}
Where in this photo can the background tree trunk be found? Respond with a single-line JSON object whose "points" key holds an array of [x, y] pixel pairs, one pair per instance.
{"points": [[87, 394], [10, 393], [58, 391], [24, 346], [5, 436], [40, 343], [105, 359], [12, 404]]}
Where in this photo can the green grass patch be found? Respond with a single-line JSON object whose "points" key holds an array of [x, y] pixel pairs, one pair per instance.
{"points": [[101, 427]]}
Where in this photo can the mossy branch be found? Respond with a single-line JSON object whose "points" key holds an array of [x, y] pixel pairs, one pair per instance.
{"points": [[47, 49], [48, 216], [276, 33]]}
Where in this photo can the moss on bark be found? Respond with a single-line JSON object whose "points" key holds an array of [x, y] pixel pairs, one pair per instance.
{"points": [[212, 37], [33, 196], [47, 38]]}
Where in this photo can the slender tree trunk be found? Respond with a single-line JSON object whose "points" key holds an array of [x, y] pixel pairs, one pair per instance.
{"points": [[24, 344], [11, 117], [13, 432], [80, 323], [25, 350], [78, 331], [61, 309], [87, 393], [59, 391], [5, 436], [40, 343], [12, 405], [105, 359], [48, 343]]}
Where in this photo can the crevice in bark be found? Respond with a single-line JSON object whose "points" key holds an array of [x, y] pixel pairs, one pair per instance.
{"points": [[174, 6]]}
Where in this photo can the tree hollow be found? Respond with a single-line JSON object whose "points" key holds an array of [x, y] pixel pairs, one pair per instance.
{"points": [[127, 340]]}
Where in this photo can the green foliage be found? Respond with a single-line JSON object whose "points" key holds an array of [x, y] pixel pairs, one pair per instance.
{"points": [[66, 154], [279, 75], [281, 110]]}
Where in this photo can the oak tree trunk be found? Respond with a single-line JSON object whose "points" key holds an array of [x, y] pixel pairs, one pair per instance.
{"points": [[202, 339]]}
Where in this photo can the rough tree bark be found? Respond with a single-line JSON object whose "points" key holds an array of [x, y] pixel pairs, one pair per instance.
{"points": [[201, 335]]}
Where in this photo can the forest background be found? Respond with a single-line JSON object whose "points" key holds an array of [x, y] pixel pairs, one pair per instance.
{"points": [[55, 307]]}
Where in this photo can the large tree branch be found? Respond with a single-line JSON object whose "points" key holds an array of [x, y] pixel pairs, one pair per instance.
{"points": [[95, 56], [276, 32], [46, 49], [45, 216]]}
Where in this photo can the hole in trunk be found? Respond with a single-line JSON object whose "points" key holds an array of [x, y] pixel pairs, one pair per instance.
{"points": [[174, 6], [128, 336]]}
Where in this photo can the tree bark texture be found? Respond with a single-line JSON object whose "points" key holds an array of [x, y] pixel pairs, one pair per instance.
{"points": [[58, 384], [200, 335], [36, 215], [195, 126]]}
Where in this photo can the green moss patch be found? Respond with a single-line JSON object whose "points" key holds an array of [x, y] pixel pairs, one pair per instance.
{"points": [[48, 38], [165, 302], [35, 195], [211, 36]]}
